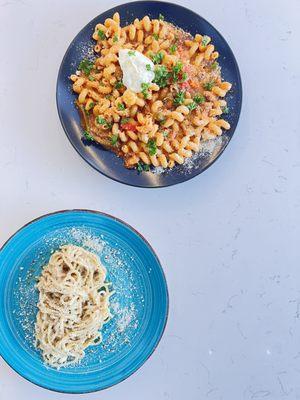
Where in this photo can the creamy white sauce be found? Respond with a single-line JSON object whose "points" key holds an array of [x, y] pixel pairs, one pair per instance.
{"points": [[136, 68]]}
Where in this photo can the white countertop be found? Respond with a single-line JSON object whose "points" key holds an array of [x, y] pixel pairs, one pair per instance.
{"points": [[227, 239]]}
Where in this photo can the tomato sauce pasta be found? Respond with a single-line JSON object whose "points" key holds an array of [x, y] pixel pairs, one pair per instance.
{"points": [[165, 121]]}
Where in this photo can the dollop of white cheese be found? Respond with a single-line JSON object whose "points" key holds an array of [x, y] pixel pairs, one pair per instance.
{"points": [[136, 68]]}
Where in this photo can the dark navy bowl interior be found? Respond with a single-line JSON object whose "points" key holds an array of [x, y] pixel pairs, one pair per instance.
{"points": [[106, 162]]}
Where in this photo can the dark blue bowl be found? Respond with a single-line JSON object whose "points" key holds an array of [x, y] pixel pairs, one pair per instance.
{"points": [[108, 163]]}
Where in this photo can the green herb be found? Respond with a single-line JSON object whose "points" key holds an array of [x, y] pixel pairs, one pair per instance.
{"points": [[192, 106], [131, 53], [102, 289], [101, 34], [161, 17], [91, 105], [205, 40], [152, 147], [108, 96], [214, 65], [162, 121], [119, 85], [121, 107], [148, 67], [114, 139], [125, 121], [209, 85], [161, 76], [165, 133], [97, 340], [115, 38], [145, 87], [155, 35], [184, 77], [199, 99], [91, 78], [173, 48], [142, 167], [87, 112], [225, 110], [176, 70], [88, 136], [179, 98], [102, 121], [157, 58], [86, 66]]}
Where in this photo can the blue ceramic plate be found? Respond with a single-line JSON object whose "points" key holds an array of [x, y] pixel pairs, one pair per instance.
{"points": [[106, 162], [139, 305]]}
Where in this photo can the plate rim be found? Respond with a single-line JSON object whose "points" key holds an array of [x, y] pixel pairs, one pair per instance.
{"points": [[166, 316], [239, 110]]}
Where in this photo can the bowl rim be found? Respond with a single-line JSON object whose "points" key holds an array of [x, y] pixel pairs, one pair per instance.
{"points": [[166, 316], [238, 111]]}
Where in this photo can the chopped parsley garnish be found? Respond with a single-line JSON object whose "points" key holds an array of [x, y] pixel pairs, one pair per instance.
{"points": [[192, 106], [152, 147], [214, 65], [199, 99], [101, 34], [162, 121], [131, 53], [119, 85], [176, 70], [179, 98], [161, 17], [155, 35], [97, 339], [145, 87], [86, 66], [165, 133], [125, 121], [115, 38], [205, 40], [157, 58], [142, 167], [114, 139], [173, 48], [88, 136], [225, 110], [184, 77], [148, 67], [102, 289], [91, 78], [209, 85], [121, 107], [161, 76], [102, 121], [91, 105]]}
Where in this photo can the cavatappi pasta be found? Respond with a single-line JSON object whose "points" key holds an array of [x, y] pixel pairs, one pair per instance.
{"points": [[168, 119]]}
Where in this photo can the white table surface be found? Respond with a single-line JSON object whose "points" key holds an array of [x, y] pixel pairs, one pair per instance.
{"points": [[227, 239]]}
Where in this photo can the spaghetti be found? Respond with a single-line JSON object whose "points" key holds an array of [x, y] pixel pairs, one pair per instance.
{"points": [[73, 305]]}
